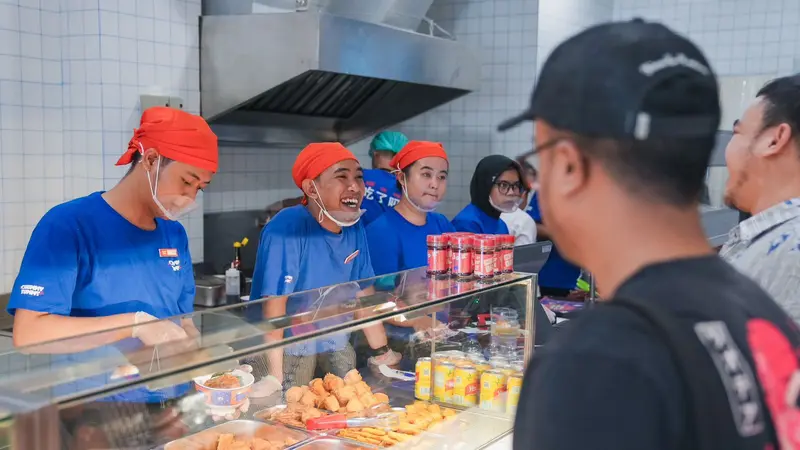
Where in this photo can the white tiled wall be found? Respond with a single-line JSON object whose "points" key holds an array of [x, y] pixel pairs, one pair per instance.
{"points": [[740, 37], [504, 32], [71, 72], [560, 19]]}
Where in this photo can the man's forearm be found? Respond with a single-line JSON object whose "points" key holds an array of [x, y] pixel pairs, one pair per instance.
{"points": [[275, 307], [51, 333]]}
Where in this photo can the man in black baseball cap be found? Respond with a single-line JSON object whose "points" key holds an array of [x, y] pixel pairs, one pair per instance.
{"points": [[625, 116]]}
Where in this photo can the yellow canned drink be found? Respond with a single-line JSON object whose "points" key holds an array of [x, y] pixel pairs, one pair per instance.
{"points": [[483, 367], [422, 385], [493, 388], [514, 387], [466, 387], [443, 381]]}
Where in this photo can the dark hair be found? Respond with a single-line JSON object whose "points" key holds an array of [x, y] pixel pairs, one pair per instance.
{"points": [[782, 103], [406, 172], [665, 170], [137, 156]]}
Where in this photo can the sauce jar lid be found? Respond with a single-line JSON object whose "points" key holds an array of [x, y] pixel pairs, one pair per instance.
{"points": [[486, 241], [436, 239], [461, 239]]}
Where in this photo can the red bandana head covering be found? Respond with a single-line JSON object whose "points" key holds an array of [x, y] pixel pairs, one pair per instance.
{"points": [[316, 158], [176, 135], [416, 150]]}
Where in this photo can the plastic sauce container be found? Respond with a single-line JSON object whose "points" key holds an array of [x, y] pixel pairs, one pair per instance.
{"points": [[438, 250], [483, 260], [461, 254]]}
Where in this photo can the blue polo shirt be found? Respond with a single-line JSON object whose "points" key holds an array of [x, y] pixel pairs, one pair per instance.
{"points": [[381, 194], [296, 254], [557, 272], [471, 219], [401, 244], [85, 260]]}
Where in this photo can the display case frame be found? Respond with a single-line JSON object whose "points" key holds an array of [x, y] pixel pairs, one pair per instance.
{"points": [[32, 398]]}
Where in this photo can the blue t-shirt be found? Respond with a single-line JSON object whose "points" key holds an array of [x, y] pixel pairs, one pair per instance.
{"points": [[381, 194], [297, 254], [557, 272], [401, 244], [471, 219], [85, 260]]}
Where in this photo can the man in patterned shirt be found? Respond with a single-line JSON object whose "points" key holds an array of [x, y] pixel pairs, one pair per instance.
{"points": [[763, 159]]}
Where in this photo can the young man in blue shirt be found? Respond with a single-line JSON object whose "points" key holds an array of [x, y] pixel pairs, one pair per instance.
{"points": [[312, 246]]}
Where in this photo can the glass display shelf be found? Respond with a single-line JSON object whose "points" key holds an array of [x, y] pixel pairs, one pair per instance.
{"points": [[88, 392]]}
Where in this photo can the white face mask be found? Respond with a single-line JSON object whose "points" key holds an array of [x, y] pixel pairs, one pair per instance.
{"points": [[507, 206], [172, 206], [340, 218], [430, 208]]}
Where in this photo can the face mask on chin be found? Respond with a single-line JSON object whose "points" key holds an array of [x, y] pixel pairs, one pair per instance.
{"points": [[172, 206], [340, 218], [507, 206]]}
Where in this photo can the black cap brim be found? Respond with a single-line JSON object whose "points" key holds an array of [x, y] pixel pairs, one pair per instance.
{"points": [[512, 122]]}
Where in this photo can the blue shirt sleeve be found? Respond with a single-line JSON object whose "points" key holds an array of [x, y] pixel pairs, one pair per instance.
{"points": [[382, 242], [277, 262], [49, 271], [186, 302]]}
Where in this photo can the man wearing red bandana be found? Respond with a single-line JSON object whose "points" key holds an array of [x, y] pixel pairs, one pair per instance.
{"points": [[119, 258]]}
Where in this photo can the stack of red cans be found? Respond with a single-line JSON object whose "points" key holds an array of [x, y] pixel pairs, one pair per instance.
{"points": [[467, 254]]}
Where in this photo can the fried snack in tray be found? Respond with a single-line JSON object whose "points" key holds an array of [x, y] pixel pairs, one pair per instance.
{"points": [[228, 441], [350, 395], [417, 417], [294, 415]]}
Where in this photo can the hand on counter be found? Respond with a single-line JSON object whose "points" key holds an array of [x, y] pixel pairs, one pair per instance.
{"points": [[152, 331]]}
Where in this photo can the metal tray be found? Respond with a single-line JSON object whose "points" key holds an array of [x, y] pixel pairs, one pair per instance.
{"points": [[207, 439], [334, 443]]}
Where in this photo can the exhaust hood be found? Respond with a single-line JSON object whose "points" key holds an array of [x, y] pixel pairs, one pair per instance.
{"points": [[288, 79]]}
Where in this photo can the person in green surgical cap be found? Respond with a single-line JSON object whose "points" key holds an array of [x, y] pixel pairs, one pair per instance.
{"points": [[380, 182], [384, 146]]}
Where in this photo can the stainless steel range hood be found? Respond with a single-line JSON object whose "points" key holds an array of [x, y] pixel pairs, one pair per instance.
{"points": [[287, 79]]}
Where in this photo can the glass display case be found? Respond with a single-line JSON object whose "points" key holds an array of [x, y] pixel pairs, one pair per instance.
{"points": [[313, 377]]}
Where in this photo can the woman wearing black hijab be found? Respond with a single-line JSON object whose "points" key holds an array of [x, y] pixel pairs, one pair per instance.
{"points": [[496, 187]]}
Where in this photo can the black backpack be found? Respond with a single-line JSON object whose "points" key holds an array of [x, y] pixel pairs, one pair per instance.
{"points": [[699, 355]]}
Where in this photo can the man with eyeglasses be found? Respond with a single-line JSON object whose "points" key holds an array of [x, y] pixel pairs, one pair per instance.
{"points": [[684, 352]]}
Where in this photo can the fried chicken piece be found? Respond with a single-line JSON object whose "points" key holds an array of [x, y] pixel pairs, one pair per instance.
{"points": [[320, 400], [382, 398], [309, 399], [331, 404], [294, 394], [261, 444], [355, 405], [352, 377], [311, 413], [317, 386], [368, 400], [434, 409], [332, 382], [344, 394], [225, 441], [448, 412], [239, 445], [362, 388], [407, 428]]}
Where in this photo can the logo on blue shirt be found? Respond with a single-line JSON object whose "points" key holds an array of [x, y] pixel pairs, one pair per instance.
{"points": [[175, 264]]}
